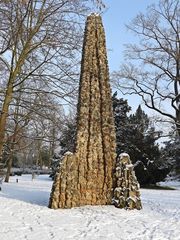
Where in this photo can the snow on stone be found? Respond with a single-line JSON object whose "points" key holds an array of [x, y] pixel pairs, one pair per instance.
{"points": [[123, 155], [68, 153], [94, 14], [129, 166], [24, 215]]}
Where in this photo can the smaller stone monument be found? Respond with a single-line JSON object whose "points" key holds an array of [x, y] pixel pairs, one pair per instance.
{"points": [[126, 192]]}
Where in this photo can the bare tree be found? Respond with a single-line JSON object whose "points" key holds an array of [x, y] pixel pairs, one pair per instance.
{"points": [[39, 45], [33, 128], [152, 70]]}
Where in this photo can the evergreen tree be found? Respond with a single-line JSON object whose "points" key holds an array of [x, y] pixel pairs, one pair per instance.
{"points": [[143, 137], [171, 155], [121, 110], [68, 135], [134, 133], [137, 137]]}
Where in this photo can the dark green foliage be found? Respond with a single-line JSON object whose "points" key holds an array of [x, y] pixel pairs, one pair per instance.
{"points": [[134, 134], [121, 109], [150, 172], [137, 137], [67, 138], [171, 154]]}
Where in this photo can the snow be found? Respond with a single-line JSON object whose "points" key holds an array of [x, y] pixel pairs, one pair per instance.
{"points": [[123, 155], [68, 153], [129, 166], [24, 215]]}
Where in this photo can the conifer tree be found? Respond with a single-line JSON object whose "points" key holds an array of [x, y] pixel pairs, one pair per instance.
{"points": [[137, 137]]}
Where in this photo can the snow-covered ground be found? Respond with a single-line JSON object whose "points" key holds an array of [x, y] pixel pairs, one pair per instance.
{"points": [[24, 215]]}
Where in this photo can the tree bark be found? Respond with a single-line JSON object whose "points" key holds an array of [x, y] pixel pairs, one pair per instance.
{"points": [[12, 142], [4, 115], [9, 166], [85, 177]]}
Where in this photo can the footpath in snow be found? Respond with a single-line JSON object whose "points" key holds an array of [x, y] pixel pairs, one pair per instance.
{"points": [[24, 215]]}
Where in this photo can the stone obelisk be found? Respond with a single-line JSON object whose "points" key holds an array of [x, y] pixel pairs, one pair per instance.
{"points": [[85, 176]]}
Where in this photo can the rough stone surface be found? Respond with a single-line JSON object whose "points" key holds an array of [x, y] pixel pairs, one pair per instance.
{"points": [[126, 187], [85, 177]]}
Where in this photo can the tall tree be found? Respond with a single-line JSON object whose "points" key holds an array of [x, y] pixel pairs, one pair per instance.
{"points": [[39, 43], [68, 136], [134, 133], [153, 69], [143, 137], [121, 110], [136, 136]]}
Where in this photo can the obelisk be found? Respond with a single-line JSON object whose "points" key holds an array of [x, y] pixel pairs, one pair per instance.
{"points": [[85, 176]]}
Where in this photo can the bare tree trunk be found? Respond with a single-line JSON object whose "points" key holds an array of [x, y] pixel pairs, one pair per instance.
{"points": [[85, 177], [12, 141], [12, 145], [9, 166], [4, 115]]}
